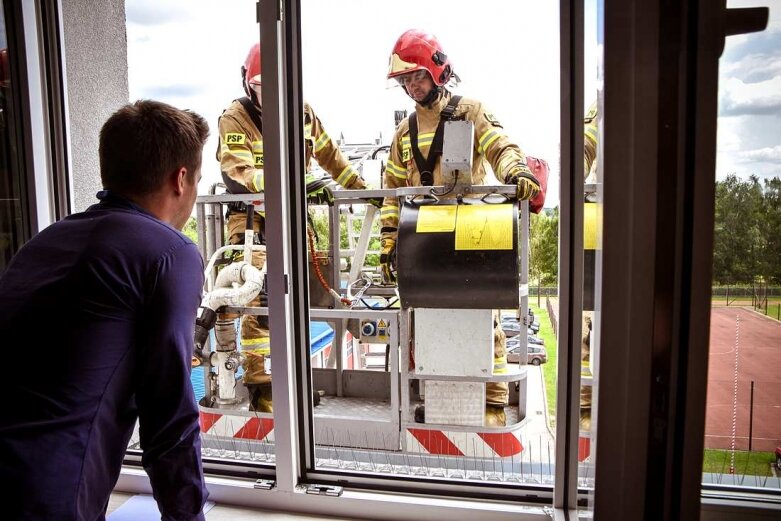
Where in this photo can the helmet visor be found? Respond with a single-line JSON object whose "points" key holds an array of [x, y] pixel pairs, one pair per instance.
{"points": [[412, 77], [398, 66], [408, 79]]}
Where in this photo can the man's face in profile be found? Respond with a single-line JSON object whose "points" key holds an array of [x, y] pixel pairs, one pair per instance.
{"points": [[188, 198]]}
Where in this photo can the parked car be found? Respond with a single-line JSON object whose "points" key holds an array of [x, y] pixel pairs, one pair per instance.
{"points": [[512, 319], [530, 340], [512, 328], [535, 354], [778, 458]]}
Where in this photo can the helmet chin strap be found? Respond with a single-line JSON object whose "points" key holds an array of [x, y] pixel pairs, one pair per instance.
{"points": [[244, 83], [253, 95], [430, 98], [255, 100]]}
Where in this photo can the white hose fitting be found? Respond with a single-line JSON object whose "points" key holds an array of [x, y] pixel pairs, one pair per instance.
{"points": [[226, 294]]}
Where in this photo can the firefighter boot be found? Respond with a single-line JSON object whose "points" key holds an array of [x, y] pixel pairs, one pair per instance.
{"points": [[494, 416], [258, 382], [585, 419], [260, 397], [420, 414], [585, 409]]}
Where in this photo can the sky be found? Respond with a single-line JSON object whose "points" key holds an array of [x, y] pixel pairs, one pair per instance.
{"points": [[749, 128], [189, 53]]}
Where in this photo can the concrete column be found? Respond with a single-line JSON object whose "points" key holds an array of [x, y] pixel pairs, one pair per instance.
{"points": [[95, 42]]}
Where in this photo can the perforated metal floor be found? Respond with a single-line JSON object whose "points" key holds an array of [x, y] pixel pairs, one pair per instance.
{"points": [[356, 408], [375, 409]]}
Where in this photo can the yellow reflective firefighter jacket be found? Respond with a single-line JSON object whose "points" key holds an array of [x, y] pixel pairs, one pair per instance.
{"points": [[590, 132], [490, 143], [240, 151]]}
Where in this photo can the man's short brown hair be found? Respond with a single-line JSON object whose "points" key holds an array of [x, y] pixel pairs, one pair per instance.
{"points": [[143, 141]]}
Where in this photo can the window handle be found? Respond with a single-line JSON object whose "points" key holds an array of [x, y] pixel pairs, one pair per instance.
{"points": [[745, 20]]}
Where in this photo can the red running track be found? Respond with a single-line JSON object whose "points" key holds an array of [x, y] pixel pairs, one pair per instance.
{"points": [[759, 359]]}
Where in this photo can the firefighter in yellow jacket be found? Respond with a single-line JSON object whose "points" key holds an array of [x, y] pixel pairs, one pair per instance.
{"points": [[590, 132], [423, 70], [590, 145], [240, 155]]}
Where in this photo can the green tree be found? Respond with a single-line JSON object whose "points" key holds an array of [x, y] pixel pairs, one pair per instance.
{"points": [[319, 221], [770, 229], [738, 241], [190, 230], [544, 249]]}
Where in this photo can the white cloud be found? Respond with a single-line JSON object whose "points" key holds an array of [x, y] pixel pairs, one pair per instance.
{"points": [[154, 12], [753, 68], [749, 130], [738, 98], [763, 155], [728, 135], [766, 105]]}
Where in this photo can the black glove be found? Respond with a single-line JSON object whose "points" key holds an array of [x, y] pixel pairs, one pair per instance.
{"points": [[322, 196], [318, 192], [525, 182]]}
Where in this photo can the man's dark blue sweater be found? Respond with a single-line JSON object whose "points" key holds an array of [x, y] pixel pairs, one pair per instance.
{"points": [[96, 324]]}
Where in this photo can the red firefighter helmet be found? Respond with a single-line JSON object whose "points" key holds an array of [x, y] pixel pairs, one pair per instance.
{"points": [[250, 71], [417, 50]]}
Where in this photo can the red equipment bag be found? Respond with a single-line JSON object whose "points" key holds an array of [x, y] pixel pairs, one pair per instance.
{"points": [[540, 169]]}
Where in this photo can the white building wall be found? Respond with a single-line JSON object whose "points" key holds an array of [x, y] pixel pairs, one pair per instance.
{"points": [[96, 75]]}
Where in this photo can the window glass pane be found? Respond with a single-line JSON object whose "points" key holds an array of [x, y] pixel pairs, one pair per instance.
{"points": [[14, 222], [368, 393], [173, 56], [743, 415], [405, 392], [592, 237]]}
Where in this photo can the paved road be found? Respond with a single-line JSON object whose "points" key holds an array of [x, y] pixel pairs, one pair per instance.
{"points": [[535, 435]]}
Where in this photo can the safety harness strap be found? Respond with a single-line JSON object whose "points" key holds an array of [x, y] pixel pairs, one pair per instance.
{"points": [[252, 112], [426, 165]]}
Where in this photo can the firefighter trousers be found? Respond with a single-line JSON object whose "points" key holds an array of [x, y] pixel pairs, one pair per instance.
{"points": [[255, 342], [497, 393]]}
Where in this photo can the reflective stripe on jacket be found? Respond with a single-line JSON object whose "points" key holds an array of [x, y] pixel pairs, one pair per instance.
{"points": [[240, 150], [490, 144]]}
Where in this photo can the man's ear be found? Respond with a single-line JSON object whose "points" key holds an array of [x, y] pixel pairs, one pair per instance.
{"points": [[179, 180]]}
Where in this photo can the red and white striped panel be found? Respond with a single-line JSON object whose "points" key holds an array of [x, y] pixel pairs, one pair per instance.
{"points": [[584, 447], [472, 444], [242, 427]]}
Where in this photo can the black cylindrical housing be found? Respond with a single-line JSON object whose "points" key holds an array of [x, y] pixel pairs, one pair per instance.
{"points": [[476, 270]]}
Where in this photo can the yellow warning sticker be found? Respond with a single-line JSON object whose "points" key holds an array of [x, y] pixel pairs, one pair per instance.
{"points": [[433, 219], [590, 219], [484, 227], [234, 138]]}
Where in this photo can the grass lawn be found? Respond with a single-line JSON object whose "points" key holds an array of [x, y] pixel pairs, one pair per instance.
{"points": [[774, 310], [746, 463], [549, 368]]}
